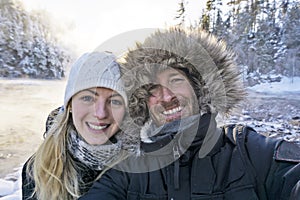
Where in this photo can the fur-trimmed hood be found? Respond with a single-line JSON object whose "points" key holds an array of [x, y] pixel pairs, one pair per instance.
{"points": [[205, 60]]}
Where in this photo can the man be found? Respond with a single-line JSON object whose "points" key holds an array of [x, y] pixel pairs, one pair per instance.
{"points": [[178, 81]]}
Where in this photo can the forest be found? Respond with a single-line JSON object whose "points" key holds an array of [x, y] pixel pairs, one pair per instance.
{"points": [[28, 47], [265, 34]]}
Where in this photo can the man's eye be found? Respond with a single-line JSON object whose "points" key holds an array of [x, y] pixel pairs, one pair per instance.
{"points": [[87, 98], [176, 80], [155, 90]]}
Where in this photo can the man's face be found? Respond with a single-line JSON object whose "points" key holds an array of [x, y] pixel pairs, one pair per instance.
{"points": [[171, 98]]}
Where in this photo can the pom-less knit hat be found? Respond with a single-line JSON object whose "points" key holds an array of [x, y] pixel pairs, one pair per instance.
{"points": [[96, 69]]}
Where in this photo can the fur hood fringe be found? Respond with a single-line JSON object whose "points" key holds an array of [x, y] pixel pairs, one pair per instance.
{"points": [[208, 62]]}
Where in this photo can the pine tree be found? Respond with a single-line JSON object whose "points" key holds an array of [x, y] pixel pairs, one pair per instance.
{"points": [[265, 34], [206, 18], [181, 13], [289, 60], [27, 48]]}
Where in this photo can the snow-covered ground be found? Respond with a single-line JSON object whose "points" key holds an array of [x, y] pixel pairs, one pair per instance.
{"points": [[286, 85], [272, 109], [10, 186]]}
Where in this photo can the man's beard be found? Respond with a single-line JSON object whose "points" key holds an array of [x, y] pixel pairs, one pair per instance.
{"points": [[180, 107]]}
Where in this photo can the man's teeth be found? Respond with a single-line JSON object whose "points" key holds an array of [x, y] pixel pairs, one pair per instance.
{"points": [[97, 127], [172, 111]]}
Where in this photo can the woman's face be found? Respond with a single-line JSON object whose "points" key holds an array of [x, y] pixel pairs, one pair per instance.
{"points": [[97, 114]]}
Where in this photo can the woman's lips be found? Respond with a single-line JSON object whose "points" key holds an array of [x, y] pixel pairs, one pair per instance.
{"points": [[98, 127]]}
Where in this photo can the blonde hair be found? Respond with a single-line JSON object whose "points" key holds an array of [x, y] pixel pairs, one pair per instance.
{"points": [[54, 173]]}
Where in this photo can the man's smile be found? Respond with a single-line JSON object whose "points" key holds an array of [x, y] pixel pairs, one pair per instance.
{"points": [[172, 111]]}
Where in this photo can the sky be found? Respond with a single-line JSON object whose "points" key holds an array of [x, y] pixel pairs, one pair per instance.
{"points": [[86, 24]]}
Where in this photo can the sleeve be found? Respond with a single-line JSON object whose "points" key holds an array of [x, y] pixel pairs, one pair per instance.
{"points": [[27, 185], [276, 165], [295, 192], [112, 185], [285, 171]]}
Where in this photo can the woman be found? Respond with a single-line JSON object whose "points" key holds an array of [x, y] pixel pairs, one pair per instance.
{"points": [[85, 136]]}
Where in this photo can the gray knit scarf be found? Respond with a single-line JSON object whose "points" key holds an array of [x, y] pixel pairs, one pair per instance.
{"points": [[94, 156]]}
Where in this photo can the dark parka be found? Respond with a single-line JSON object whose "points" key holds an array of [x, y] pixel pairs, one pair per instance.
{"points": [[192, 158], [87, 175]]}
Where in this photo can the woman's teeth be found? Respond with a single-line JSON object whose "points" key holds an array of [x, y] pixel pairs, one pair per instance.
{"points": [[97, 127]]}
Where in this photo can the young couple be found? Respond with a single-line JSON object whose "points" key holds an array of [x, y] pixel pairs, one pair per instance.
{"points": [[147, 126]]}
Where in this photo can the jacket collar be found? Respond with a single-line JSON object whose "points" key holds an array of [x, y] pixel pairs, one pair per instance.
{"points": [[188, 133]]}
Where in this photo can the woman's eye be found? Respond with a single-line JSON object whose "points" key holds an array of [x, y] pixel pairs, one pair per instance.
{"points": [[116, 102], [87, 98]]}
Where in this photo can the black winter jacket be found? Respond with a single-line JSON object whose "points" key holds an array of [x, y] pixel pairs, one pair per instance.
{"points": [[242, 165], [87, 175]]}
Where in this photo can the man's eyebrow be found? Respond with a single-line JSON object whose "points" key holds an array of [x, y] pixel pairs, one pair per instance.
{"points": [[175, 74]]}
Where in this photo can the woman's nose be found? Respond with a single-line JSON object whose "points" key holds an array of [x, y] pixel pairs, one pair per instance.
{"points": [[101, 110]]}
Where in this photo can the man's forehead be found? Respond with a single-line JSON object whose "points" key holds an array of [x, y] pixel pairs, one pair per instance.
{"points": [[156, 73], [168, 73]]}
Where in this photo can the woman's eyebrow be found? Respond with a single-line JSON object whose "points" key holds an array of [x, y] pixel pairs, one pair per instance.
{"points": [[97, 94], [93, 92], [115, 94]]}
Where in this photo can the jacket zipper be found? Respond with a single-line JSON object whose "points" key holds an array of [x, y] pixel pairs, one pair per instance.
{"points": [[176, 154]]}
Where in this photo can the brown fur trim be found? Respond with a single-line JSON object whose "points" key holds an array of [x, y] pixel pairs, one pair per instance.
{"points": [[206, 61]]}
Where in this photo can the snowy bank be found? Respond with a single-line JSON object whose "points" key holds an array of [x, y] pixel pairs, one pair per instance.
{"points": [[285, 85], [10, 186]]}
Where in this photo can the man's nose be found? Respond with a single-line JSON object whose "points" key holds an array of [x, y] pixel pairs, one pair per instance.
{"points": [[167, 94], [101, 110]]}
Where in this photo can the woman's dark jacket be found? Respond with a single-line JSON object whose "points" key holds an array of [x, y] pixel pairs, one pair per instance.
{"points": [[242, 165], [87, 175]]}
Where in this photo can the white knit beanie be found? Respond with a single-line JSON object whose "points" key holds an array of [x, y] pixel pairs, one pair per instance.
{"points": [[96, 69]]}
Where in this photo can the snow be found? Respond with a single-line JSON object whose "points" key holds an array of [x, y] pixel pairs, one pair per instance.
{"points": [[7, 187], [286, 85], [10, 186], [272, 109]]}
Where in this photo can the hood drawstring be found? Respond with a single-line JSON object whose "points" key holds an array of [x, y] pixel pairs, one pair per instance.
{"points": [[176, 154]]}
